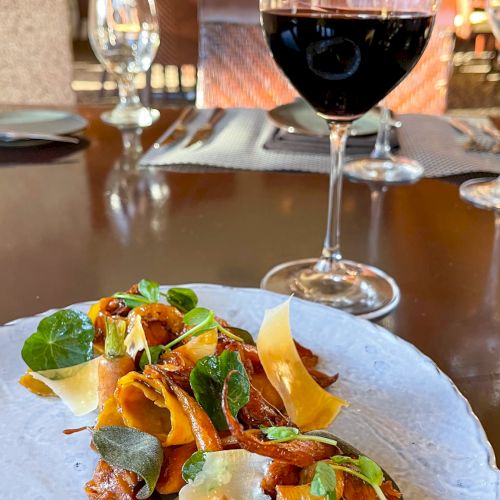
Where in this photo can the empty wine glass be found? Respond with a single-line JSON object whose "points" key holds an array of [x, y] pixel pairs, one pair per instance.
{"points": [[382, 165], [124, 36], [343, 58], [485, 193]]}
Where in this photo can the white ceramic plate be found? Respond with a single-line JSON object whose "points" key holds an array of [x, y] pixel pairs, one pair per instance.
{"points": [[43, 121], [300, 118], [405, 413]]}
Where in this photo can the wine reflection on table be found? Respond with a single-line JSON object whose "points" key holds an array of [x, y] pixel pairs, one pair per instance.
{"points": [[135, 196]]}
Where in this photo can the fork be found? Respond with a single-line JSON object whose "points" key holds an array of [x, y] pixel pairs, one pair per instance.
{"points": [[473, 144], [494, 134]]}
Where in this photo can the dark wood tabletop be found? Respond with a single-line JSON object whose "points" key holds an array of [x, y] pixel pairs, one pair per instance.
{"points": [[76, 226]]}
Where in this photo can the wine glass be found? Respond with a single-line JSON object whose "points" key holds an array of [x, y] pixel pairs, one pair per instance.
{"points": [[382, 165], [485, 193], [343, 58], [124, 36]]}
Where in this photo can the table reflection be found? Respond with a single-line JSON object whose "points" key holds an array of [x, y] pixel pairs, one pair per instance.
{"points": [[135, 196]]}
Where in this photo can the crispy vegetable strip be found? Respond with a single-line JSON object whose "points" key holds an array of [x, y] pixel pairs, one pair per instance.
{"points": [[259, 412], [279, 473], [170, 480], [300, 453], [204, 432], [111, 482], [35, 386], [356, 489], [321, 378]]}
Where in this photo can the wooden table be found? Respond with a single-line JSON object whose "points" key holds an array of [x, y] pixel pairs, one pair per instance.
{"points": [[77, 227]]}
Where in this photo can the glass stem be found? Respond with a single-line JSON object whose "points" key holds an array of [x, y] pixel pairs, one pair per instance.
{"points": [[330, 256], [127, 91], [382, 150]]}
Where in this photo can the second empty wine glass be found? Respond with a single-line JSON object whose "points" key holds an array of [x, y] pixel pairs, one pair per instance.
{"points": [[124, 36]]}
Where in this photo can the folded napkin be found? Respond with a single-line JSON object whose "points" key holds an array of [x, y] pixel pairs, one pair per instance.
{"points": [[362, 145]]}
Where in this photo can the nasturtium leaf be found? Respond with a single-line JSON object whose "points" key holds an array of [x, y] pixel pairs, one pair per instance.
{"points": [[342, 459], [155, 352], [150, 290], [62, 339], [132, 450], [207, 380], [324, 482], [371, 470], [193, 465], [280, 432], [242, 334], [182, 298]]}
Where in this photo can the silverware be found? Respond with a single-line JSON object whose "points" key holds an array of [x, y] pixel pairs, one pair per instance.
{"points": [[205, 131], [11, 136], [177, 130], [495, 135], [473, 143]]}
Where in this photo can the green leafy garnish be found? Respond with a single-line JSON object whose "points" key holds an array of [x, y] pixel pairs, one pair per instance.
{"points": [[244, 335], [201, 320], [149, 293], [284, 434], [324, 482], [366, 469], [193, 465], [62, 339], [275, 433], [150, 290], [116, 330], [132, 450], [207, 380], [182, 298], [155, 351]]}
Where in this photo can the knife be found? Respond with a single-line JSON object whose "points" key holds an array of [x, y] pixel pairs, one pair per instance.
{"points": [[178, 129], [11, 136], [205, 131]]}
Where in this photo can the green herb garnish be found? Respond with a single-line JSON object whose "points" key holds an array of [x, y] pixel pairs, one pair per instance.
{"points": [[284, 434], [244, 335], [149, 293], [182, 298], [116, 330], [62, 339], [207, 380], [155, 351], [193, 465], [324, 482], [150, 290], [367, 470], [132, 450]]}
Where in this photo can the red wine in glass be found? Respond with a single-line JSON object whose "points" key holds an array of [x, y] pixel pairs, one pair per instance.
{"points": [[344, 62]]}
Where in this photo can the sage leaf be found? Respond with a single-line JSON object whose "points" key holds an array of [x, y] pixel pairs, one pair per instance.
{"points": [[280, 432], [62, 339], [132, 450], [182, 298], [193, 465], [150, 290], [371, 470], [324, 482], [207, 380]]}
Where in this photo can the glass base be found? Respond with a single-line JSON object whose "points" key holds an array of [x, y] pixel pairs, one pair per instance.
{"points": [[130, 116], [483, 193], [356, 288], [396, 170]]}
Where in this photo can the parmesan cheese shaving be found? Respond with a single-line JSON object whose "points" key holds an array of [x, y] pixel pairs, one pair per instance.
{"points": [[135, 340], [75, 385], [308, 405]]}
